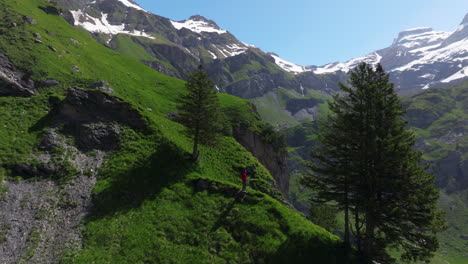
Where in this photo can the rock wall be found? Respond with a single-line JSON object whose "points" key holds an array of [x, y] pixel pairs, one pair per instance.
{"points": [[451, 172], [14, 82], [273, 160]]}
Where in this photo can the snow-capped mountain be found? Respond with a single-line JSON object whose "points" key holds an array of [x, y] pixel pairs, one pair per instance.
{"points": [[418, 58], [105, 17]]}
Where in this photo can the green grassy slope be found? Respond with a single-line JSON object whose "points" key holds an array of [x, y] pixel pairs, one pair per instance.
{"points": [[150, 205]]}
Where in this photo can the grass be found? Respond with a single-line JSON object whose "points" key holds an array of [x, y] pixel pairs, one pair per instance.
{"points": [[147, 207], [271, 110]]}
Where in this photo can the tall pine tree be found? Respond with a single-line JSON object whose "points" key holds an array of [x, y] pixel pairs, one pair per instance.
{"points": [[199, 110], [367, 164]]}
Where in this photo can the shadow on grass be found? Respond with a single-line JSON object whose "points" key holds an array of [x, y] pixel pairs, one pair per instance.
{"points": [[301, 249], [127, 189], [227, 211]]}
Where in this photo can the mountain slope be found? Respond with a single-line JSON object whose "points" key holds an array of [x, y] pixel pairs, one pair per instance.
{"points": [[103, 154], [419, 58]]}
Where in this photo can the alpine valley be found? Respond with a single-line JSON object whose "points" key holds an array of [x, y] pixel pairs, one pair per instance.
{"points": [[94, 167]]}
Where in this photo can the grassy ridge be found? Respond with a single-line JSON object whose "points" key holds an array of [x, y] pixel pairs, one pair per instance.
{"points": [[148, 208]]}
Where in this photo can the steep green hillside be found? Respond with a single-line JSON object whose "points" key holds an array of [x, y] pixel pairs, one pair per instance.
{"points": [[151, 205], [440, 119]]}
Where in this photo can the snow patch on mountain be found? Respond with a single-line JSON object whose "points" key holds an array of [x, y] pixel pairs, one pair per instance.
{"points": [[412, 41], [102, 25], [288, 66], [463, 73], [453, 52], [212, 55], [372, 59], [228, 50], [197, 26], [130, 4]]}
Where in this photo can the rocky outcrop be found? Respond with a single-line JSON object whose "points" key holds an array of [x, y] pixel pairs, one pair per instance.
{"points": [[162, 68], [93, 106], [295, 105], [451, 172], [102, 86], [14, 82], [42, 219], [52, 10], [275, 161]]}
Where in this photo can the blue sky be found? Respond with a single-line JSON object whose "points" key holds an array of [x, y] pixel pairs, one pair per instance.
{"points": [[312, 32]]}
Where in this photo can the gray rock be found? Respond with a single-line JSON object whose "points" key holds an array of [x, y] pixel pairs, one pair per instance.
{"points": [[49, 212], [52, 10], [102, 86], [14, 82], [74, 41], [49, 33], [48, 83], [38, 41], [93, 106], [266, 153], [29, 20], [37, 35], [51, 140], [451, 171], [52, 48], [102, 136], [75, 68]]}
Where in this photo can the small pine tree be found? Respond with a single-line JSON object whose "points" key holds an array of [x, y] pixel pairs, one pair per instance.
{"points": [[199, 110], [367, 164]]}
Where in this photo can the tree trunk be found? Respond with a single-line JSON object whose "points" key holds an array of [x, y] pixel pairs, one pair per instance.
{"points": [[369, 238], [195, 144], [346, 227]]}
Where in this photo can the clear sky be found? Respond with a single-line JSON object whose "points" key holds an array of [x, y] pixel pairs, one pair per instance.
{"points": [[313, 32]]}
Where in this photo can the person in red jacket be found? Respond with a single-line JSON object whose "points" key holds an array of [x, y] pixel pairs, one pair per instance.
{"points": [[244, 179]]}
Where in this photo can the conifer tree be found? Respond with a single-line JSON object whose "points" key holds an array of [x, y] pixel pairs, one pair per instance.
{"points": [[367, 164], [199, 110]]}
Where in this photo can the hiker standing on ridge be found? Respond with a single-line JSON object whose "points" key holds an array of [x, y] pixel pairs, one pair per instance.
{"points": [[244, 180]]}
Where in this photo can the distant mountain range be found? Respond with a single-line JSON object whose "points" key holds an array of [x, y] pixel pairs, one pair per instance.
{"points": [[418, 59]]}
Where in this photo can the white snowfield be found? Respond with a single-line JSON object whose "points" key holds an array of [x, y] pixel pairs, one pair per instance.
{"points": [[423, 47], [457, 51], [463, 73], [288, 66], [130, 4], [372, 58], [426, 38], [102, 25], [197, 26]]}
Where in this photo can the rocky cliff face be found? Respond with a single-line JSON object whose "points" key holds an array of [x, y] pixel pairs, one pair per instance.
{"points": [[41, 219], [13, 81], [274, 160]]}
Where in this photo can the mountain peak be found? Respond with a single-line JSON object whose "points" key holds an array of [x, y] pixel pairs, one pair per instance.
{"points": [[200, 18], [132, 4], [199, 24], [413, 31], [465, 20]]}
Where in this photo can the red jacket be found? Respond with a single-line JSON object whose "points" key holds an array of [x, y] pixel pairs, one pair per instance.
{"points": [[244, 176]]}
